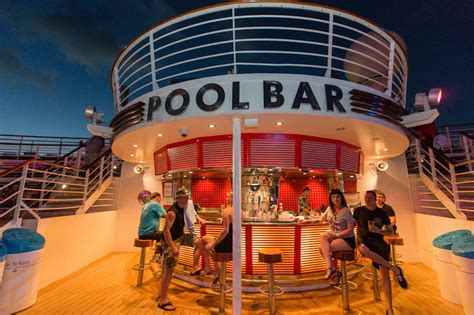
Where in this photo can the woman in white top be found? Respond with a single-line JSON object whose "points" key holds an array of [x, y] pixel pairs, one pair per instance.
{"points": [[341, 235]]}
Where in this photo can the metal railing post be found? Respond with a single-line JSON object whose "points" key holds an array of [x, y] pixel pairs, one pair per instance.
{"points": [[433, 167], [19, 198], [86, 184], [330, 38], [388, 91], [454, 185], [418, 156], [467, 150], [449, 140], [101, 172]]}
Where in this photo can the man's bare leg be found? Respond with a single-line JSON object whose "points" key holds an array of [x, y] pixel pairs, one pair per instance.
{"points": [[387, 289]]}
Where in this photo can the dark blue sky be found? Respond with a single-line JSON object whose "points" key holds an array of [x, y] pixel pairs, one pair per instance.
{"points": [[55, 56]]}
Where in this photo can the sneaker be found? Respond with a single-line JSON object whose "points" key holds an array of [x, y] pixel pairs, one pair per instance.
{"points": [[402, 281]]}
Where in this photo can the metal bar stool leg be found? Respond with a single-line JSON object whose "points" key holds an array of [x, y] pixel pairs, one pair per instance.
{"points": [[222, 289], [271, 290], [394, 255], [375, 284], [141, 266], [345, 288]]}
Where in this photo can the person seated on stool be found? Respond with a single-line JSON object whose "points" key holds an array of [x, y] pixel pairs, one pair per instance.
{"points": [[371, 223], [223, 243], [149, 227], [341, 236], [191, 217], [152, 211], [381, 198]]}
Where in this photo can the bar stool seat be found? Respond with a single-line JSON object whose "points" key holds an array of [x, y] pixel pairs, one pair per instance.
{"points": [[141, 266], [270, 256], [393, 241], [223, 288], [344, 256]]}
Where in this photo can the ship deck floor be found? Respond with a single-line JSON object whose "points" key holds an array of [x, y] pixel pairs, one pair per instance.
{"points": [[104, 287]]}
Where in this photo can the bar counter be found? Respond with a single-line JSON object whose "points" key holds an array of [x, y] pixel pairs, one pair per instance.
{"points": [[299, 243]]}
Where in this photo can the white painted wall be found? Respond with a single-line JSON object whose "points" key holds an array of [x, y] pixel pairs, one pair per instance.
{"points": [[128, 209], [429, 227], [396, 185], [73, 242]]}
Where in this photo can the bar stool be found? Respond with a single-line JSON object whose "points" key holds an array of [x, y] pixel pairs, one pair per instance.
{"points": [[270, 256], [223, 288], [343, 256], [393, 241], [143, 244]]}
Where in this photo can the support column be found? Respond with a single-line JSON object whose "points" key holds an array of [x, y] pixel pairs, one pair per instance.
{"points": [[237, 222]]}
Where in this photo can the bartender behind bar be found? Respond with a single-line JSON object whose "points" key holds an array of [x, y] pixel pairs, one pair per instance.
{"points": [[304, 208]]}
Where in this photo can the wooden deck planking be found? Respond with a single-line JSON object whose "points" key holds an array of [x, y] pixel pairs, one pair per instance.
{"points": [[106, 287]]}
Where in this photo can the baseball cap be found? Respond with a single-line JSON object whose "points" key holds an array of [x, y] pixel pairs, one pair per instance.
{"points": [[182, 192]]}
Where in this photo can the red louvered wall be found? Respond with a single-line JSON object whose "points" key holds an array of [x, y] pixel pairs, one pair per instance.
{"points": [[292, 188], [259, 150]]}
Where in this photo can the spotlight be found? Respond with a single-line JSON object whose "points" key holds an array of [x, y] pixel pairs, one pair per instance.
{"points": [[424, 100], [140, 169]]}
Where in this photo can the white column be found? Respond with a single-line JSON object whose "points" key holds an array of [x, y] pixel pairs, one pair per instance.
{"points": [[237, 223]]}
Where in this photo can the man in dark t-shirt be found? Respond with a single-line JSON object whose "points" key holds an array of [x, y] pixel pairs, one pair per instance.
{"points": [[372, 223], [173, 238], [381, 198]]}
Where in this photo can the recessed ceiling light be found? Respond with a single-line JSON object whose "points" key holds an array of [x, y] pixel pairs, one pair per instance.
{"points": [[135, 145], [212, 126], [160, 135], [386, 149], [190, 172], [132, 155], [279, 123]]}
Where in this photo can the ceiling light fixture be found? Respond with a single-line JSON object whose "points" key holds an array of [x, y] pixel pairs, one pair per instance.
{"points": [[279, 123], [212, 126], [160, 135]]}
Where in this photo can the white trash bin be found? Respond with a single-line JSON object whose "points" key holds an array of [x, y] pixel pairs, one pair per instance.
{"points": [[444, 266], [3, 257], [463, 258], [19, 288]]}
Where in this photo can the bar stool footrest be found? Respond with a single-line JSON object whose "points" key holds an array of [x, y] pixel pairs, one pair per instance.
{"points": [[217, 287], [277, 290], [369, 276], [351, 286], [145, 266]]}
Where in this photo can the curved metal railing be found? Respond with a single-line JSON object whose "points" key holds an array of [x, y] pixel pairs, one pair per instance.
{"points": [[280, 37]]}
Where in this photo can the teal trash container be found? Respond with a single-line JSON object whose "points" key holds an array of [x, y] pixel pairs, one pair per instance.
{"points": [[19, 288], [444, 266], [463, 258], [3, 257]]}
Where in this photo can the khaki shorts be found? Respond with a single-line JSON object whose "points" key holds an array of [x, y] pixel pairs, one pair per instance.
{"points": [[170, 260]]}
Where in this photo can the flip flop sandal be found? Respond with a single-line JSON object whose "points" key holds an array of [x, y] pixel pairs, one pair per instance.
{"points": [[167, 307]]}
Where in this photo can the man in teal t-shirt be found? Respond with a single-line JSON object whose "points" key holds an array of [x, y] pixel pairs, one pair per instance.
{"points": [[149, 228]]}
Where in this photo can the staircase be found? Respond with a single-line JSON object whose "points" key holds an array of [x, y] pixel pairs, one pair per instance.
{"points": [[445, 179], [40, 188]]}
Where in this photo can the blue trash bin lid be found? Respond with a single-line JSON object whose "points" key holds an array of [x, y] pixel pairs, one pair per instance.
{"points": [[446, 240], [464, 247], [19, 240], [3, 252]]}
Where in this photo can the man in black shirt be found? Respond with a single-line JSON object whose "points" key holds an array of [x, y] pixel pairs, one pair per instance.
{"points": [[173, 238], [372, 223], [381, 198]]}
